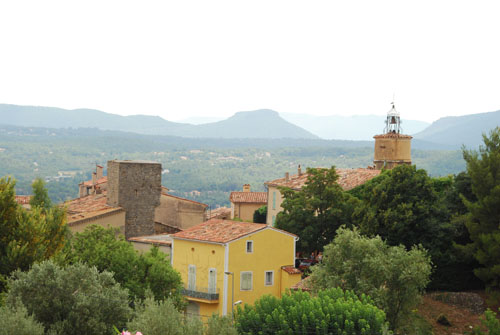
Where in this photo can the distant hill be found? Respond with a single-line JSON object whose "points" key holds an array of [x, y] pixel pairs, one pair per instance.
{"points": [[52, 117], [255, 124], [263, 123], [457, 130], [357, 127]]}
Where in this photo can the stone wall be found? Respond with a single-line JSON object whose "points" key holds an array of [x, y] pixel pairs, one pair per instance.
{"points": [[136, 187]]}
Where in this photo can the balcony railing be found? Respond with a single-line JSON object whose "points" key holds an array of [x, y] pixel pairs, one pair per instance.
{"points": [[201, 293]]}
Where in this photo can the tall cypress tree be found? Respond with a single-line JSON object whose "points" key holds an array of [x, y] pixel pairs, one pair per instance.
{"points": [[483, 222]]}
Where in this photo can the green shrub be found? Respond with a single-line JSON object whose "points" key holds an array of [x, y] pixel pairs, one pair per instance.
{"points": [[15, 320], [332, 311], [67, 299], [162, 318], [220, 325]]}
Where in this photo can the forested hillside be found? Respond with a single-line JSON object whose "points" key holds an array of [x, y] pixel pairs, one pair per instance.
{"points": [[213, 167], [460, 130]]}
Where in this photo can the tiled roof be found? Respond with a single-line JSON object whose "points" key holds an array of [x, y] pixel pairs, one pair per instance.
{"points": [[159, 239], [88, 207], [23, 199], [102, 180], [249, 197], [348, 179], [291, 270], [220, 213], [393, 135], [219, 231]]}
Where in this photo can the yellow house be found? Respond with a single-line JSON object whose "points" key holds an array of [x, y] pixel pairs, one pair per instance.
{"points": [[224, 263]]}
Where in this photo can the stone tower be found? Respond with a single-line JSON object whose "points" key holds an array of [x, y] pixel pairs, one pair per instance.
{"points": [[136, 187], [392, 148]]}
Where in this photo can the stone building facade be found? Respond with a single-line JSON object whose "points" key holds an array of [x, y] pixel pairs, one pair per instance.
{"points": [[135, 186]]}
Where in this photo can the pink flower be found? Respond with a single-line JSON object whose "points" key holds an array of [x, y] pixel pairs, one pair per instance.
{"points": [[126, 333]]}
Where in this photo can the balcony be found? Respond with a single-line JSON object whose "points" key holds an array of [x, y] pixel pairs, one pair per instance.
{"points": [[201, 294]]}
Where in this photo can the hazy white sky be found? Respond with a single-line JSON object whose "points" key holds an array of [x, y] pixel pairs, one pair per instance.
{"points": [[213, 58]]}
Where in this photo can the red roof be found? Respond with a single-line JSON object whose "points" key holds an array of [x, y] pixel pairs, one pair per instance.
{"points": [[183, 199], [249, 197], [23, 199], [102, 180], [348, 179], [291, 270], [219, 231], [88, 207]]}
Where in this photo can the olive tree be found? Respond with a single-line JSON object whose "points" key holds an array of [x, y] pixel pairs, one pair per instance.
{"points": [[392, 276]]}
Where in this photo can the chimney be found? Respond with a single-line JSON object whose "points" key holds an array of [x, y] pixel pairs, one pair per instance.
{"points": [[98, 171], [94, 178], [299, 170], [246, 188], [82, 190], [287, 176]]}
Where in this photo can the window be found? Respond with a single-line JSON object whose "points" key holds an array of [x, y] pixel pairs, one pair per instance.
{"points": [[249, 247], [274, 200], [212, 280], [192, 277], [246, 281], [274, 220], [269, 278]]}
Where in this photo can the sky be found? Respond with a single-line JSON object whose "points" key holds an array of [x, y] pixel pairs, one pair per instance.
{"points": [[179, 59]]}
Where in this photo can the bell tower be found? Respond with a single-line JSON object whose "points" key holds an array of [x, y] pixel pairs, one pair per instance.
{"points": [[392, 148]]}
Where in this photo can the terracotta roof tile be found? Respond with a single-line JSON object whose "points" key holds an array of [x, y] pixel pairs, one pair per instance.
{"points": [[248, 197], [23, 199], [88, 207], [99, 181], [219, 231], [158, 239], [220, 213], [291, 270], [348, 179]]}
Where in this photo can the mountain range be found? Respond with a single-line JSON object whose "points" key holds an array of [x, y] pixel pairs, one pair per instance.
{"points": [[447, 132]]}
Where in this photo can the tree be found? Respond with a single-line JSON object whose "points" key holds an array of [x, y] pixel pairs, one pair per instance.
{"points": [[317, 211], [483, 166], [102, 248], [40, 195], [27, 237], [75, 298], [260, 215], [332, 311], [15, 320], [393, 277]]}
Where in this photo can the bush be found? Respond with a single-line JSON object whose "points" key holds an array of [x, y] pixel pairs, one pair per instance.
{"points": [[332, 311], [15, 320], [220, 325], [162, 318], [67, 299], [392, 276]]}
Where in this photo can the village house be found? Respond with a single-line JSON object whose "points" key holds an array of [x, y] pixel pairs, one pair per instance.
{"points": [[223, 263], [244, 204], [132, 199], [391, 149], [348, 179]]}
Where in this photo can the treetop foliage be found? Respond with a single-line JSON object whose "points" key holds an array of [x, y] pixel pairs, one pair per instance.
{"points": [[332, 311], [393, 277], [483, 167]]}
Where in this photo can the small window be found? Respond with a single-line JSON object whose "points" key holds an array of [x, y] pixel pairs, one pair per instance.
{"points": [[246, 281], [274, 200], [249, 247], [269, 280], [274, 221]]}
